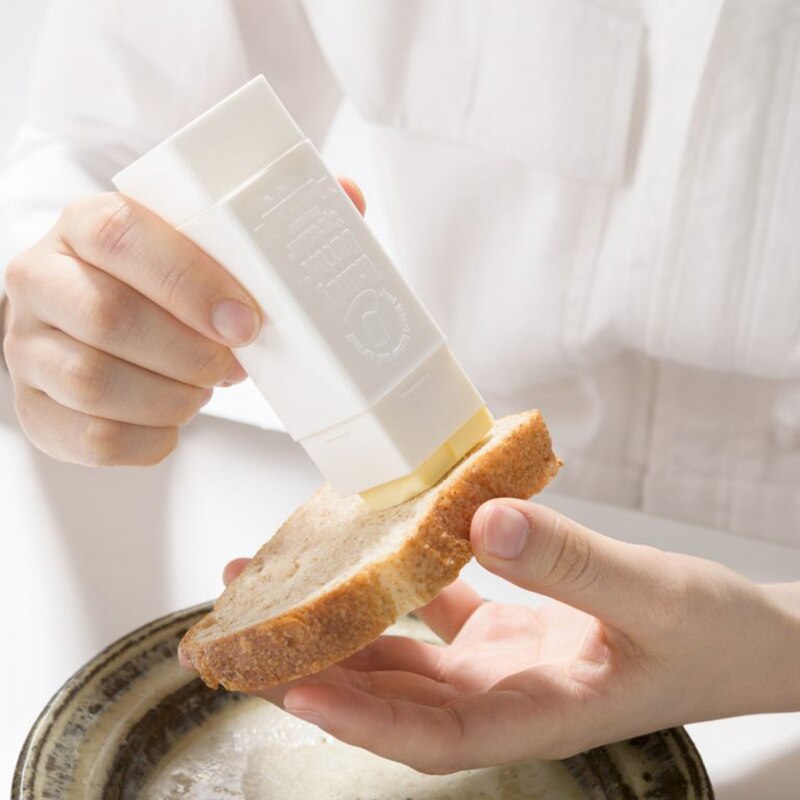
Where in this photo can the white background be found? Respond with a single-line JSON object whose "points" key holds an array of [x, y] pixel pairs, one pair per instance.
{"points": [[19, 23], [756, 757]]}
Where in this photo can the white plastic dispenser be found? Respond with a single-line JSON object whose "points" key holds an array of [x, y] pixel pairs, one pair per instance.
{"points": [[349, 359]]}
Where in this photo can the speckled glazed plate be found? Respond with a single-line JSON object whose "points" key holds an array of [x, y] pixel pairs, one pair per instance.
{"points": [[133, 724]]}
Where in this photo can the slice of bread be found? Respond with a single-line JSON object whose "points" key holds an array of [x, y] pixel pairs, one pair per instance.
{"points": [[337, 574]]}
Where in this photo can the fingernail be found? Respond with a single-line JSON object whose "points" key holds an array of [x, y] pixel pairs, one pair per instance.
{"points": [[306, 714], [234, 321], [505, 532]]}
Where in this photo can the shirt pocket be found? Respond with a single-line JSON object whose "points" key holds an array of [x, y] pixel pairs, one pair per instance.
{"points": [[548, 82]]}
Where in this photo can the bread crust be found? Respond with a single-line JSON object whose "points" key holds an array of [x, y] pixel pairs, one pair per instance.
{"points": [[350, 615]]}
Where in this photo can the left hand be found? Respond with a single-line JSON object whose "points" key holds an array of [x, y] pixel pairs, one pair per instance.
{"points": [[639, 640]]}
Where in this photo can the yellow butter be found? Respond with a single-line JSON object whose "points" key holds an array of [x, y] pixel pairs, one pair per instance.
{"points": [[434, 467]]}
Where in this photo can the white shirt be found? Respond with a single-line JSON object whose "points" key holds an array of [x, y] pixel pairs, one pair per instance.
{"points": [[597, 200]]}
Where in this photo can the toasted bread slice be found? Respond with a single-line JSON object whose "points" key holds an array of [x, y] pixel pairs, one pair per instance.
{"points": [[337, 574]]}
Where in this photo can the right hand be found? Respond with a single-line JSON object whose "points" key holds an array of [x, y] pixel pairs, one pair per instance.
{"points": [[117, 330], [636, 640]]}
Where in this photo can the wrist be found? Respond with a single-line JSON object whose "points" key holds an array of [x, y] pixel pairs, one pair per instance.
{"points": [[747, 650], [774, 640]]}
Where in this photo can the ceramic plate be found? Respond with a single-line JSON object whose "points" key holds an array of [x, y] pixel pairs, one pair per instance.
{"points": [[133, 724]]}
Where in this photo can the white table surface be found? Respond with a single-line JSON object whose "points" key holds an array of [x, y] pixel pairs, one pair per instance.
{"points": [[91, 554]]}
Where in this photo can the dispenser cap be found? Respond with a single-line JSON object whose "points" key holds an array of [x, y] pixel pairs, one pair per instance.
{"points": [[213, 155]]}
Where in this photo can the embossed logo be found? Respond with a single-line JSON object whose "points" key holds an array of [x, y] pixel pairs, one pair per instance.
{"points": [[378, 325], [329, 266]]}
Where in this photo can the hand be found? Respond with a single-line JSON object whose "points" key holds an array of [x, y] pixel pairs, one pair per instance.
{"points": [[117, 328], [640, 640]]}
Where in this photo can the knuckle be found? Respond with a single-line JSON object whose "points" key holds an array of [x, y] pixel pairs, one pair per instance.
{"points": [[78, 208], [16, 275], [86, 378], [30, 423], [109, 315], [570, 562], [22, 408], [70, 213], [173, 280], [104, 442], [11, 350], [113, 224]]}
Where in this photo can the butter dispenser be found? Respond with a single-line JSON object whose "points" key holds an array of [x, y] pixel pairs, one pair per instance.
{"points": [[348, 358]]}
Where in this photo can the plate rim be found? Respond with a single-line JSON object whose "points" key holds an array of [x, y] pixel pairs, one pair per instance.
{"points": [[25, 772]]}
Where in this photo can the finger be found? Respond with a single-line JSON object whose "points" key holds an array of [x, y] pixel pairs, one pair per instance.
{"points": [[276, 694], [397, 653], [387, 685], [446, 614], [399, 685], [138, 248], [543, 551], [95, 383], [353, 191], [464, 733], [394, 655], [233, 569], [400, 658], [393, 666], [101, 311], [78, 438]]}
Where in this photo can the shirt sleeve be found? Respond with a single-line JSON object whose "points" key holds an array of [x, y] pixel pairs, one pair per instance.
{"points": [[112, 78]]}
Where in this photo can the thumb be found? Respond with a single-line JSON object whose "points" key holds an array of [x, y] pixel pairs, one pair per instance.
{"points": [[543, 551]]}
